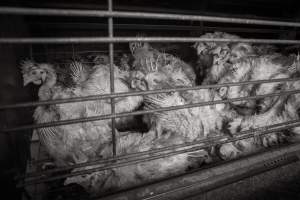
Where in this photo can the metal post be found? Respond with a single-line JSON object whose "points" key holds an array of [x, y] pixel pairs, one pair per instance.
{"points": [[112, 83]]}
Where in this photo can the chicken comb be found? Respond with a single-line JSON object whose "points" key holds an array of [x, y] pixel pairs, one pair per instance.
{"points": [[206, 46], [133, 46], [27, 65]]}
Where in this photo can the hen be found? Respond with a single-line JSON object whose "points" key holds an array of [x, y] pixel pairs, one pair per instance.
{"points": [[75, 143], [156, 70], [285, 109], [168, 71], [136, 174], [282, 109], [237, 62], [148, 59], [220, 55], [216, 58], [252, 68]]}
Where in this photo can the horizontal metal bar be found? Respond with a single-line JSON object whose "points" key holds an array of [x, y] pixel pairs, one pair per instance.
{"points": [[138, 15], [135, 191], [285, 158], [150, 9], [68, 63], [138, 93], [38, 162], [200, 181], [150, 152], [78, 52], [246, 30], [125, 114], [75, 40], [201, 145], [113, 165], [101, 26]]}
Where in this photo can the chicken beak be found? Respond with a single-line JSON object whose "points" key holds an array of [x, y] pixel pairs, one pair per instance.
{"points": [[37, 82], [34, 80], [28, 80], [44, 76]]}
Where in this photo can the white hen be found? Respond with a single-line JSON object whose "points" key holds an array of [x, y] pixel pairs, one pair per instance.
{"points": [[141, 173], [76, 143]]}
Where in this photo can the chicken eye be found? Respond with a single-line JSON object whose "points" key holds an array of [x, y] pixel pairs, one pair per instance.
{"points": [[33, 73], [223, 91], [234, 55]]}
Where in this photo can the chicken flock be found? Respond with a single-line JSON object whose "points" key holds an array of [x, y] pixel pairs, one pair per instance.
{"points": [[153, 69]]}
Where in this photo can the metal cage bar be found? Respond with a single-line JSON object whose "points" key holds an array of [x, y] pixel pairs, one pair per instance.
{"points": [[68, 40], [191, 185], [247, 133], [137, 93], [139, 15], [112, 82], [201, 144], [124, 114], [70, 52]]}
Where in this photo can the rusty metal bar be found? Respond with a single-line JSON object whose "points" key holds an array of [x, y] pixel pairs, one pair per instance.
{"points": [[137, 93], [125, 114], [112, 82], [68, 40], [139, 15], [188, 185], [153, 151], [200, 145]]}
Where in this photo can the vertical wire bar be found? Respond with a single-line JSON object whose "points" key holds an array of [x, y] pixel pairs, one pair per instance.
{"points": [[112, 83], [73, 52], [31, 52], [37, 186]]}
